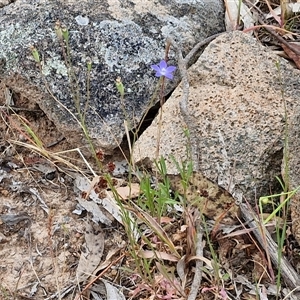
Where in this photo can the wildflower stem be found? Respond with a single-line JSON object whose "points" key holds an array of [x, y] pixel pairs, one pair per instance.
{"points": [[88, 87], [162, 100]]}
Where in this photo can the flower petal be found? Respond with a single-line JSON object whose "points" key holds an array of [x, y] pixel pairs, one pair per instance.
{"points": [[171, 69], [156, 68], [169, 75], [162, 69], [163, 64]]}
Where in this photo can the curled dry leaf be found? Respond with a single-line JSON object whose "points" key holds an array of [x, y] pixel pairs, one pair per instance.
{"points": [[182, 270], [291, 54], [202, 258], [99, 214]]}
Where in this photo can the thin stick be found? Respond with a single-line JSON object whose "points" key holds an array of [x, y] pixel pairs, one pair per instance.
{"points": [[199, 264], [198, 46]]}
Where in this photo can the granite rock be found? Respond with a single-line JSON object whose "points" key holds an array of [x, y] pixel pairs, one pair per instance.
{"points": [[122, 38], [293, 167], [238, 115]]}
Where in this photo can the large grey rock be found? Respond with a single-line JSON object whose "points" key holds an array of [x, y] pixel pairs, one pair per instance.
{"points": [[238, 111], [122, 38]]}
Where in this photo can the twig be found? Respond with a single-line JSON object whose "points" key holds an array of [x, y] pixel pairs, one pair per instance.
{"points": [[64, 291], [187, 117], [20, 108], [199, 263], [56, 142], [198, 46]]}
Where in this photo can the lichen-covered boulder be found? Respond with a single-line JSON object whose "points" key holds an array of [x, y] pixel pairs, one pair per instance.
{"points": [[121, 38], [237, 105]]}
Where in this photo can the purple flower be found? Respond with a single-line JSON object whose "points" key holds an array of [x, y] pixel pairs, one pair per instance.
{"points": [[163, 70]]}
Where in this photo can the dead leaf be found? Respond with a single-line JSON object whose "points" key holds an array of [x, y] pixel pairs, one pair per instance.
{"points": [[274, 14], [181, 270], [91, 255], [291, 54], [179, 236], [98, 214], [43, 204], [112, 292], [168, 283], [95, 206], [166, 220], [129, 191], [234, 13], [158, 254], [260, 272], [202, 258], [291, 7], [263, 293], [108, 259]]}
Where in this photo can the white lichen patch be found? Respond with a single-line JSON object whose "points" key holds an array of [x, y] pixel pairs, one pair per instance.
{"points": [[9, 37], [180, 28], [56, 64], [125, 46], [140, 7]]}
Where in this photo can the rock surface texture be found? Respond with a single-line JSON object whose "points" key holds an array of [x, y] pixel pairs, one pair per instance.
{"points": [[294, 169], [236, 103], [122, 38]]}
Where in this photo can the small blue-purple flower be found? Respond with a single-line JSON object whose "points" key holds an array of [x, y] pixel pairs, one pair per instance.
{"points": [[162, 69]]}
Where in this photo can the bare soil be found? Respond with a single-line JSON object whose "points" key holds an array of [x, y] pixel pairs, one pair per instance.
{"points": [[41, 238]]}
